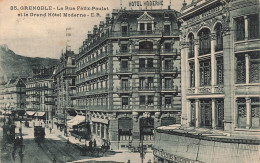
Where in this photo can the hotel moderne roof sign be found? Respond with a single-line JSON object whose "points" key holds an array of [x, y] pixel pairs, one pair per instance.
{"points": [[146, 4]]}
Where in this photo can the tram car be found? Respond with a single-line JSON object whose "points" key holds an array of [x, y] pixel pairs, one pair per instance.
{"points": [[39, 134]]}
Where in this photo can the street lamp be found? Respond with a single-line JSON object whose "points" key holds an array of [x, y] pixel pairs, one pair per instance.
{"points": [[141, 149]]}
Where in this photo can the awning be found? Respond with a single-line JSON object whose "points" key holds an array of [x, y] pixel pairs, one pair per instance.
{"points": [[99, 120], [76, 120], [30, 113], [39, 114]]}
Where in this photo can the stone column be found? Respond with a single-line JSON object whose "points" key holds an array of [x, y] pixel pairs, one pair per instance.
{"points": [[246, 27], [196, 64], [248, 113], [197, 110], [247, 68], [213, 105], [188, 110], [184, 81], [213, 61]]}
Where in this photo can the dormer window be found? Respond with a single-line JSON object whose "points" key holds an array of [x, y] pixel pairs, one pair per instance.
{"points": [[145, 22]]}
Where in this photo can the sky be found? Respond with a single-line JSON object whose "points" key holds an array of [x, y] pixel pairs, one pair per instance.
{"points": [[46, 36]]}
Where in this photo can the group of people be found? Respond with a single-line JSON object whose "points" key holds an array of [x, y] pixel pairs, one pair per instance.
{"points": [[92, 143]]}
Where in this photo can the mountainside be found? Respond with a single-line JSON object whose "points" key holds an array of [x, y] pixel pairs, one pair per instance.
{"points": [[12, 64]]}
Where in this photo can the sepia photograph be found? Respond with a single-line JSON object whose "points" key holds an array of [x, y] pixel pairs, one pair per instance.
{"points": [[129, 81]]}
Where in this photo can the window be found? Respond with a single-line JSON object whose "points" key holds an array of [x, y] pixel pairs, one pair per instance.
{"points": [[150, 100], [204, 41], [124, 64], [240, 28], [142, 27], [241, 69], [167, 29], [220, 71], [205, 74], [150, 82], [150, 62], [145, 46], [219, 38], [168, 83], [124, 48], [141, 82], [191, 45], [253, 26], [141, 63], [167, 47], [142, 100], [254, 64], [124, 29], [168, 102], [125, 102], [168, 64], [192, 75], [124, 84], [149, 26]]}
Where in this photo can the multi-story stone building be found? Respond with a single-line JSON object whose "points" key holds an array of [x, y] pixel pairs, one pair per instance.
{"points": [[40, 94], [128, 75], [65, 89], [220, 64], [12, 96]]}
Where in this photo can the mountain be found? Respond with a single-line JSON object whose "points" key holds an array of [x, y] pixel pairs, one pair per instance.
{"points": [[14, 65]]}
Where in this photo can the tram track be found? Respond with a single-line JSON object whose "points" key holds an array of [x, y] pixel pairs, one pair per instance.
{"points": [[51, 150]]}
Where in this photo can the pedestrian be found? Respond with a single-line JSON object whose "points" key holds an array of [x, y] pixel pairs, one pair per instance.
{"points": [[90, 144], [50, 129], [68, 142], [95, 143], [21, 141]]}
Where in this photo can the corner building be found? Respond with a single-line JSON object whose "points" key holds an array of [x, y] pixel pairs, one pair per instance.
{"points": [[128, 76], [220, 64]]}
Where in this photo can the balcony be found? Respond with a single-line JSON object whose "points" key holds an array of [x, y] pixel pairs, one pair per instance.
{"points": [[146, 107], [169, 51], [170, 70], [148, 69], [123, 52], [124, 89], [92, 60], [123, 70], [145, 51], [97, 91], [170, 89], [219, 89], [148, 88], [92, 76]]}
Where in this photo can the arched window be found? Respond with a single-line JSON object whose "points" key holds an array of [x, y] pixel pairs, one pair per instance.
{"points": [[191, 45], [219, 38], [204, 41], [146, 46]]}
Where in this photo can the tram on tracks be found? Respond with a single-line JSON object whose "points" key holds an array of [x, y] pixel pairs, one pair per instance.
{"points": [[39, 134]]}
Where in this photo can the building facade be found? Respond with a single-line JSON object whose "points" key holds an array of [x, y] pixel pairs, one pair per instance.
{"points": [[12, 96], [128, 76], [65, 89], [220, 64], [40, 94]]}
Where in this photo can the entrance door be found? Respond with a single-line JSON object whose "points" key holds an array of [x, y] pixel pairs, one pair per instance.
{"points": [[206, 113]]}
